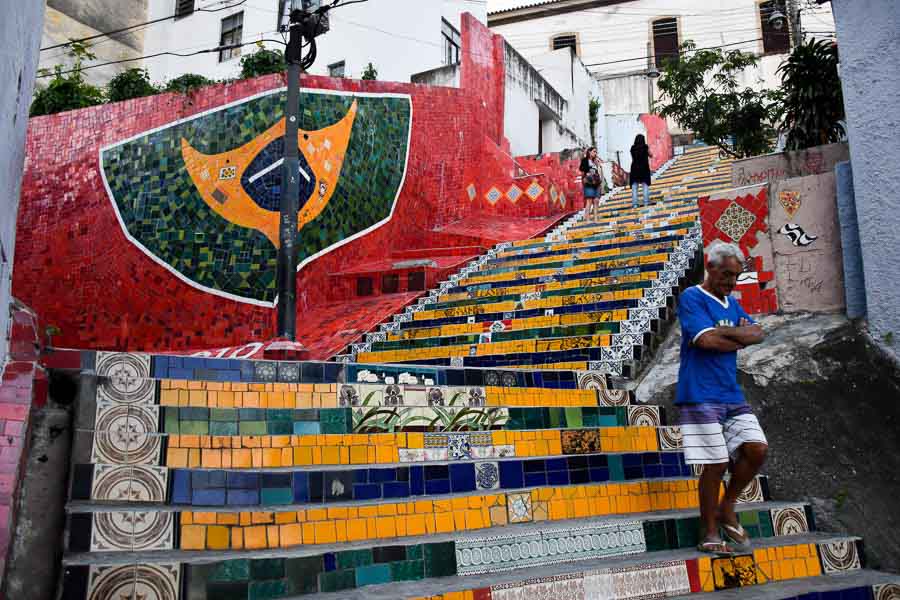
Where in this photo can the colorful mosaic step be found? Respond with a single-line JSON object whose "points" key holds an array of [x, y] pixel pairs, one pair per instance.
{"points": [[522, 546], [861, 584]]}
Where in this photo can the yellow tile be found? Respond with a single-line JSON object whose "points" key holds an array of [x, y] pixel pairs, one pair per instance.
{"points": [[255, 537], [325, 532], [217, 537], [193, 537]]}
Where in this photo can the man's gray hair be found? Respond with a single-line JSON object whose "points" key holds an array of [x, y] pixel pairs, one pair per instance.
{"points": [[719, 251]]}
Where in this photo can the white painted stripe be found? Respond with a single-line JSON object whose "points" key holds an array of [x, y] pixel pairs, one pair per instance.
{"points": [[269, 169]]}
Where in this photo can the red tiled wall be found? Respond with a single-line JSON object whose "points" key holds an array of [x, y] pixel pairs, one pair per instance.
{"points": [[75, 267], [658, 138]]}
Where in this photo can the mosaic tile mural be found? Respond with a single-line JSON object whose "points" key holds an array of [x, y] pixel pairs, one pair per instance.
{"points": [[201, 196]]}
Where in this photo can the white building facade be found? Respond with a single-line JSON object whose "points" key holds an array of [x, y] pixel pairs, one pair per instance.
{"points": [[621, 41], [399, 37]]}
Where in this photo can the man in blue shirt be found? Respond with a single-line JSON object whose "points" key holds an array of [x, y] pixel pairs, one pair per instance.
{"points": [[717, 424]]}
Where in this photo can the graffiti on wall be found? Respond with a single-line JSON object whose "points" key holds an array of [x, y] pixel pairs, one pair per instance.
{"points": [[742, 218], [201, 196]]}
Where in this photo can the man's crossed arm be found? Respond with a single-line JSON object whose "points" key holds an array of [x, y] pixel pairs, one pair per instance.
{"points": [[731, 339]]}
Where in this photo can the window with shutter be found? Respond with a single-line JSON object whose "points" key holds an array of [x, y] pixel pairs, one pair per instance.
{"points": [[183, 8], [566, 40], [665, 41], [775, 41]]}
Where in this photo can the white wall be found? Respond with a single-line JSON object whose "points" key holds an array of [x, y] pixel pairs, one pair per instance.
{"points": [[521, 121], [613, 39], [399, 37], [20, 39], [620, 132]]}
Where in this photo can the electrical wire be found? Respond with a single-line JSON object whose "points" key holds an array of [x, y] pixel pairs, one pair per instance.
{"points": [[177, 54], [144, 24]]}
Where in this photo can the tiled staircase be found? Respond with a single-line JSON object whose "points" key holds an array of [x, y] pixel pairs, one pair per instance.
{"points": [[503, 467]]}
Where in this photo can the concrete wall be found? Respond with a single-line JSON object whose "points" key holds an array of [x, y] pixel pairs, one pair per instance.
{"points": [[780, 165], [808, 261], [20, 39], [870, 52], [851, 250], [397, 40], [74, 19]]}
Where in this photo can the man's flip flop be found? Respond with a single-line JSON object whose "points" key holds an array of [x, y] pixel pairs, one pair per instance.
{"points": [[718, 547], [737, 536]]}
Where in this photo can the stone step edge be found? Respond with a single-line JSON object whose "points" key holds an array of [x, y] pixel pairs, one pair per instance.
{"points": [[109, 558], [435, 587], [90, 506], [792, 588]]}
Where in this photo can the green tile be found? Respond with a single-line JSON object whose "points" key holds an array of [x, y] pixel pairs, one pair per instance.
{"points": [[373, 575], [414, 552], [573, 417], [440, 559], [227, 591], [303, 574], [407, 570], [516, 419], [622, 416], [688, 531], [655, 535], [171, 420], [335, 420], [222, 428], [350, 559], [335, 581], [253, 428], [267, 568], [748, 518], [555, 417], [280, 428], [230, 571], [194, 427], [276, 496], [616, 470], [766, 529], [223, 414], [281, 415], [268, 590]]}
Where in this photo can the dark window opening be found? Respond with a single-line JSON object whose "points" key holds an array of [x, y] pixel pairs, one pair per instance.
{"points": [[452, 42], [183, 8], [364, 286], [775, 41], [415, 281], [232, 31], [665, 41], [390, 283], [568, 40], [338, 69]]}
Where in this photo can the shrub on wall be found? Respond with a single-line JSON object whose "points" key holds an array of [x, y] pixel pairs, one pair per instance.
{"points": [[371, 73], [132, 83], [811, 104], [67, 90], [262, 62], [187, 83]]}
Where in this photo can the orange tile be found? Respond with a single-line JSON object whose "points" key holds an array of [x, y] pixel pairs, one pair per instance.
{"points": [[193, 537]]}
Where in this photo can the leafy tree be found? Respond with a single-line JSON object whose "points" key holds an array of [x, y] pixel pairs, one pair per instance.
{"points": [[371, 73], [700, 91], [811, 102], [132, 83], [262, 62], [67, 90], [187, 83]]}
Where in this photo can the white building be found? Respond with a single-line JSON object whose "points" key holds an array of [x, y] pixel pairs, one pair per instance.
{"points": [[620, 41], [399, 37]]}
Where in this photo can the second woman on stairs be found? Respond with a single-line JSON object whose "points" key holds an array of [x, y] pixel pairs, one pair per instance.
{"points": [[640, 170]]}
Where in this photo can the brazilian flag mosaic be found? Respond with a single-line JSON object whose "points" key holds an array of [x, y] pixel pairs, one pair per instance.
{"points": [[201, 196]]}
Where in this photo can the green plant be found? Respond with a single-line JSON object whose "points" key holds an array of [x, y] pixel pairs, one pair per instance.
{"points": [[371, 73], [262, 62], [811, 102], [888, 338], [67, 90], [700, 91], [132, 83], [593, 116], [187, 83]]}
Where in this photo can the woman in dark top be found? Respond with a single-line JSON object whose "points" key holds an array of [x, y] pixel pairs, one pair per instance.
{"points": [[592, 179], [640, 170]]}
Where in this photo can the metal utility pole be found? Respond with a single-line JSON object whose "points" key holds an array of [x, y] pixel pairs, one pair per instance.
{"points": [[307, 20], [290, 198]]}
